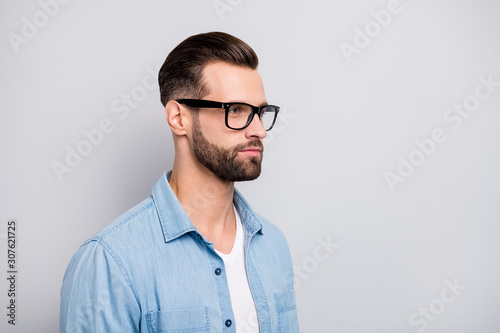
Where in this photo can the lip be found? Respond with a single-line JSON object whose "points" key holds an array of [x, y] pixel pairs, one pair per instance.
{"points": [[253, 151]]}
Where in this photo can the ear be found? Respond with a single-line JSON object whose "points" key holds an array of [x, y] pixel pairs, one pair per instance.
{"points": [[177, 117]]}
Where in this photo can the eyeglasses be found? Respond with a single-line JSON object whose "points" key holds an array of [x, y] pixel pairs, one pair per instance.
{"points": [[238, 115]]}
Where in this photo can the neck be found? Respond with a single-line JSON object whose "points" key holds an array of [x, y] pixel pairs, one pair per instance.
{"points": [[207, 200]]}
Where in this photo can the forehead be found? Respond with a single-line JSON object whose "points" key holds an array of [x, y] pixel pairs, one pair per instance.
{"points": [[230, 83]]}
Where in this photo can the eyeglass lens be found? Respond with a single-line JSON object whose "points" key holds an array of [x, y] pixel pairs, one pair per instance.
{"points": [[238, 116]]}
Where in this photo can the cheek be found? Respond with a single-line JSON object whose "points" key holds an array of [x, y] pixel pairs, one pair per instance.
{"points": [[212, 120], [215, 131]]}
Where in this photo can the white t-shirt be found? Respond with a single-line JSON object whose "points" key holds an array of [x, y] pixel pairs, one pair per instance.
{"points": [[245, 315]]}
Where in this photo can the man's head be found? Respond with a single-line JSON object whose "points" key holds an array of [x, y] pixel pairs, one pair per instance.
{"points": [[215, 67], [181, 73]]}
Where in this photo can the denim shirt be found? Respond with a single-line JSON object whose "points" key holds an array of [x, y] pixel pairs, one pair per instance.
{"points": [[150, 270]]}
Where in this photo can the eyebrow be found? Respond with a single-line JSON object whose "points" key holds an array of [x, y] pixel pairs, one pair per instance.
{"points": [[239, 101]]}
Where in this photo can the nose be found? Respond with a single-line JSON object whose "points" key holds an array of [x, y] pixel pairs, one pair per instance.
{"points": [[256, 128]]}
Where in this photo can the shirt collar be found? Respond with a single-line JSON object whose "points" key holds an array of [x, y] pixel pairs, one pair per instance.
{"points": [[174, 220]]}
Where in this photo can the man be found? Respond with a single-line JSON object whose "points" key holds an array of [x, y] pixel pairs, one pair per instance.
{"points": [[194, 256]]}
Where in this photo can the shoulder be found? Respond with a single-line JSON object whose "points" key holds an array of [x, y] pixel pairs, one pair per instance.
{"points": [[121, 239], [115, 243], [128, 224]]}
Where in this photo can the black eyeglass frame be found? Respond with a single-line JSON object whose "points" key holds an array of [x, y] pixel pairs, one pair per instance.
{"points": [[256, 110]]}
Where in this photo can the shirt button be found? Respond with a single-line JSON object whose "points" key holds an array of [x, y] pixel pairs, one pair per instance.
{"points": [[218, 271], [228, 322]]}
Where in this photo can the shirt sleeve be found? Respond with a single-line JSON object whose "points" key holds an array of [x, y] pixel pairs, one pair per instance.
{"points": [[97, 294]]}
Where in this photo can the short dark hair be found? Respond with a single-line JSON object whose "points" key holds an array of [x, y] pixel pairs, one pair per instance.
{"points": [[181, 73]]}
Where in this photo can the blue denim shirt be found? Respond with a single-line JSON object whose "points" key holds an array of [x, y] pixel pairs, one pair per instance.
{"points": [[150, 270]]}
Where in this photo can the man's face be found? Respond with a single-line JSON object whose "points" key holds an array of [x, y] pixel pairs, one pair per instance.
{"points": [[232, 155]]}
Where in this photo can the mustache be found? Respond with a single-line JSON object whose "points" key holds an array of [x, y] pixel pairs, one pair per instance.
{"points": [[253, 143]]}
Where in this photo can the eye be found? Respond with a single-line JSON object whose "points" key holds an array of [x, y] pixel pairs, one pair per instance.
{"points": [[236, 109]]}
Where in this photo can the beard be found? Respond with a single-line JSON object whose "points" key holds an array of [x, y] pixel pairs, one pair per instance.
{"points": [[224, 162]]}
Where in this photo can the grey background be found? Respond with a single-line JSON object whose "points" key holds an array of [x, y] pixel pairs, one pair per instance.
{"points": [[346, 125]]}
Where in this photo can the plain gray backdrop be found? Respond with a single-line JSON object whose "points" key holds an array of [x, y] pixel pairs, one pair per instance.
{"points": [[382, 170]]}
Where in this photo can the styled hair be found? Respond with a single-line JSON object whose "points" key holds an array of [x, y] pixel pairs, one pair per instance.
{"points": [[180, 75]]}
